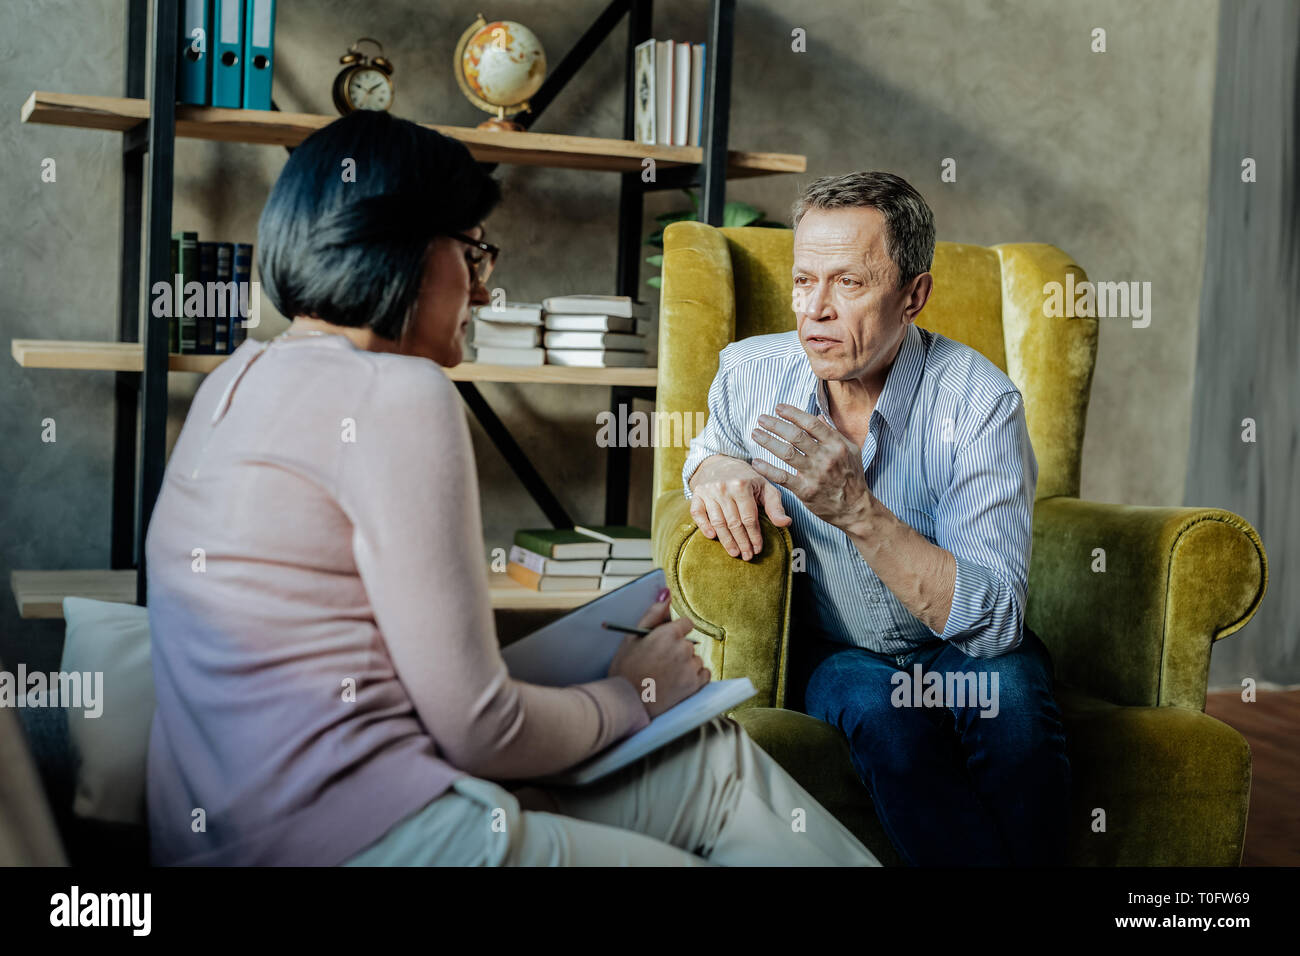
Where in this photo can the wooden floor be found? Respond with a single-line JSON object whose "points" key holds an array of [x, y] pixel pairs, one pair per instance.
{"points": [[1272, 727]]}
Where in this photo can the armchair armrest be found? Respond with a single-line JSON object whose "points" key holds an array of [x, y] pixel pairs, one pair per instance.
{"points": [[742, 608], [1139, 633]]}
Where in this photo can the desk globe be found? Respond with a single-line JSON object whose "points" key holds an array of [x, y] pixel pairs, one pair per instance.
{"points": [[499, 65]]}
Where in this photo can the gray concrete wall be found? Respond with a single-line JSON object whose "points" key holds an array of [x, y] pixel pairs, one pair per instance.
{"points": [[1249, 340], [1104, 155]]}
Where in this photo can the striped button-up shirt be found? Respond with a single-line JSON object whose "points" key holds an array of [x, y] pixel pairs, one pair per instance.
{"points": [[947, 451]]}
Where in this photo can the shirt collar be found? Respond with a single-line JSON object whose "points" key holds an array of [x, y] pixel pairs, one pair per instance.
{"points": [[895, 402]]}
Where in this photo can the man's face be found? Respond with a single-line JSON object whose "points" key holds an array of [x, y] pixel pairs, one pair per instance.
{"points": [[850, 313]]}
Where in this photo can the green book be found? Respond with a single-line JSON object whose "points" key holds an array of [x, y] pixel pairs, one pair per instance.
{"points": [[561, 543], [624, 541], [187, 267]]}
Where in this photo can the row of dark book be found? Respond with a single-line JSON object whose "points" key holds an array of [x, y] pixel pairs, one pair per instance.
{"points": [[216, 327]]}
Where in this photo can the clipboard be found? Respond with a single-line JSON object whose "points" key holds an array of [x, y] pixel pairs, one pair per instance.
{"points": [[575, 649]]}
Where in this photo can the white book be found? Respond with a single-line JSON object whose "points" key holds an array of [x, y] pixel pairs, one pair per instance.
{"points": [[554, 566], [681, 92], [616, 341], [620, 305], [698, 80], [522, 313], [497, 355], [644, 92], [621, 545], [664, 92], [591, 323], [596, 358], [575, 649], [608, 581], [629, 566], [507, 334]]}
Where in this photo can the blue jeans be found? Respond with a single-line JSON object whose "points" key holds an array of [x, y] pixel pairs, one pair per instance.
{"points": [[973, 773]]}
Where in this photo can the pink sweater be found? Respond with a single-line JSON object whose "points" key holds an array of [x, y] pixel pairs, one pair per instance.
{"points": [[327, 663]]}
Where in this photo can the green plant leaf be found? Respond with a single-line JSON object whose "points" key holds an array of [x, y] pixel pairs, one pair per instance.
{"points": [[656, 239], [655, 260], [740, 214], [695, 203], [655, 282]]}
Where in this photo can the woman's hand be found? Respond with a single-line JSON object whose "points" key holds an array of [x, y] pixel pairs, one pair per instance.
{"points": [[663, 656]]}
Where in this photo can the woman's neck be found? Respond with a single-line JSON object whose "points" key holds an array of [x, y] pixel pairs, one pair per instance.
{"points": [[363, 338]]}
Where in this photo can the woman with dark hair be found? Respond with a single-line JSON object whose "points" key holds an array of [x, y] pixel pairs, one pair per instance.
{"points": [[329, 684]]}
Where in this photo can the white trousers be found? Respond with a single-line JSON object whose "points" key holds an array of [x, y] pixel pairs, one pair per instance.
{"points": [[714, 797]]}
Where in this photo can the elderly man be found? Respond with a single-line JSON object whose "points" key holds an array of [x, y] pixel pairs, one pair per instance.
{"points": [[901, 462]]}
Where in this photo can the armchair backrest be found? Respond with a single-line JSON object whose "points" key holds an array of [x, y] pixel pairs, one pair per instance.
{"points": [[721, 285]]}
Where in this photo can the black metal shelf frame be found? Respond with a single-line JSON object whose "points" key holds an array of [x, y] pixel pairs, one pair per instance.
{"points": [[146, 391]]}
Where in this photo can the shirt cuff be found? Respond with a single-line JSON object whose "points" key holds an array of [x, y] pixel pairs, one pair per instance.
{"points": [[621, 710], [972, 599]]}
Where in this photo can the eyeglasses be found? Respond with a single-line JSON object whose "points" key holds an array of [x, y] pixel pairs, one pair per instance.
{"points": [[483, 264]]}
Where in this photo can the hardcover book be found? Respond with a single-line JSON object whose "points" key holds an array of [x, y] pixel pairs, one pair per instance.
{"points": [[569, 567], [551, 582], [625, 541], [561, 543], [620, 305], [644, 92]]}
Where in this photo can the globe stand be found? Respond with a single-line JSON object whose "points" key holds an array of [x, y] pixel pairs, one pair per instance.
{"points": [[499, 122]]}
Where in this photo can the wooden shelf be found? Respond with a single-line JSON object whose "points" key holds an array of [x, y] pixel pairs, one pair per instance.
{"points": [[488, 146], [40, 594], [129, 357]]}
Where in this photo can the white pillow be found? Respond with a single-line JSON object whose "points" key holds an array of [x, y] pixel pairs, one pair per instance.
{"points": [[110, 750]]}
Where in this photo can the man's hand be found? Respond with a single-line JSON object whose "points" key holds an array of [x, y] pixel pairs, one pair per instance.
{"points": [[726, 495], [827, 466]]}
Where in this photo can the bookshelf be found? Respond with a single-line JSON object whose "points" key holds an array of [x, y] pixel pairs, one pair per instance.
{"points": [[40, 594], [149, 122], [552, 150], [129, 357]]}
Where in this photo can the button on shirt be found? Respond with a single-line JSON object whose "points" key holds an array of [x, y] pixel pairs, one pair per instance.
{"points": [[947, 451]]}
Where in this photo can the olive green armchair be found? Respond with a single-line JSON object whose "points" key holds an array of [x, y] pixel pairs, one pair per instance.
{"points": [[1155, 780]]}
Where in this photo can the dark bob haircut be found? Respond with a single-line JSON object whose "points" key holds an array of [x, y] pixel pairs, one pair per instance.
{"points": [[345, 231]]}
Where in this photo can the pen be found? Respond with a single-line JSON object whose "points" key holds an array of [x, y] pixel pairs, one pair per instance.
{"points": [[638, 631], [624, 629]]}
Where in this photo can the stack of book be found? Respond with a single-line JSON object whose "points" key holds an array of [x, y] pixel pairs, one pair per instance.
{"points": [[670, 92], [509, 335], [593, 331], [579, 559]]}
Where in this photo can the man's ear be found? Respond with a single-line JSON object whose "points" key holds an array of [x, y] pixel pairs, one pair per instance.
{"points": [[918, 294]]}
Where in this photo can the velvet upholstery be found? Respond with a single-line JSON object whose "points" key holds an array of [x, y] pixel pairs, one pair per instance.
{"points": [[1156, 781]]}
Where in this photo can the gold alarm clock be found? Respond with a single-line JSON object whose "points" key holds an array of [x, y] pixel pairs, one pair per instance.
{"points": [[364, 83]]}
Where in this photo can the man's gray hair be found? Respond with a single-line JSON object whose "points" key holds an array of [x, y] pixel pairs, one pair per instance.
{"points": [[909, 238]]}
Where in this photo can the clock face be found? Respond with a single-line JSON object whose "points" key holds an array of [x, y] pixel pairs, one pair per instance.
{"points": [[369, 89]]}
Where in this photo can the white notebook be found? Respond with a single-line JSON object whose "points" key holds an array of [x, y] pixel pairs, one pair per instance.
{"points": [[575, 649]]}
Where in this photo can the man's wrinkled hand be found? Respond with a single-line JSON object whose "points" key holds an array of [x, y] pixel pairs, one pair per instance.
{"points": [[726, 495], [826, 468]]}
